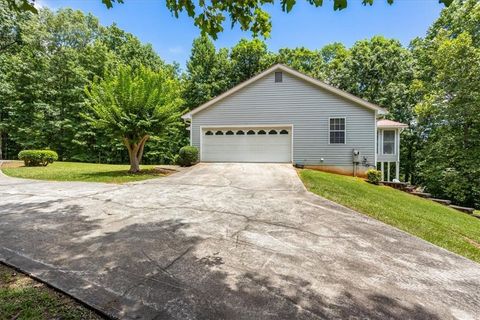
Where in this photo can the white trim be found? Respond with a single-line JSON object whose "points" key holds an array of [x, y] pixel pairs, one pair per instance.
{"points": [[388, 171], [397, 147], [293, 72], [392, 127], [376, 141], [191, 133], [345, 131], [247, 126], [397, 170], [394, 142], [291, 146], [202, 128], [201, 143]]}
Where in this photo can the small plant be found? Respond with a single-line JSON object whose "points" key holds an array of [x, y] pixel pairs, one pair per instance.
{"points": [[187, 156], [374, 176], [36, 158]]}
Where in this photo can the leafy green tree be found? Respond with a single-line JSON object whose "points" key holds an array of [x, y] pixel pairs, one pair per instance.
{"points": [[372, 67], [9, 30], [10, 42], [134, 105], [48, 79], [128, 49], [449, 116], [209, 16], [164, 148], [208, 73], [446, 88], [249, 57], [461, 16], [304, 60], [43, 78], [334, 55]]}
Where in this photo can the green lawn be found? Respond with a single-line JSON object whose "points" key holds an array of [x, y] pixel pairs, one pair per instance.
{"points": [[22, 297], [77, 171], [438, 224]]}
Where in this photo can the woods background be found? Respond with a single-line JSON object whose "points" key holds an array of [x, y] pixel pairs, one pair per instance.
{"points": [[47, 60]]}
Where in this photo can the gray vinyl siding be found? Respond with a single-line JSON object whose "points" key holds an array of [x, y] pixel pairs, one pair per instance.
{"points": [[304, 106]]}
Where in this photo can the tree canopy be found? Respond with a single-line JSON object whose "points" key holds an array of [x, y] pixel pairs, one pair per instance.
{"points": [[210, 15]]}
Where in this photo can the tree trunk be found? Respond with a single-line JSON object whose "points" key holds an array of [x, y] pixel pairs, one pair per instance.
{"points": [[135, 153]]}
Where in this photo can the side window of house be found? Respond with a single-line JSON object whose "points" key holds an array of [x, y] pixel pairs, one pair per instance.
{"points": [[337, 131], [388, 142]]}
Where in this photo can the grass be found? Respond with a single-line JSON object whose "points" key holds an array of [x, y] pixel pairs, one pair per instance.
{"points": [[438, 224], [77, 171], [21, 297]]}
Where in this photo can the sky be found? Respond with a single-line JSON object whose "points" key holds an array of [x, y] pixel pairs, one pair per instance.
{"points": [[305, 26]]}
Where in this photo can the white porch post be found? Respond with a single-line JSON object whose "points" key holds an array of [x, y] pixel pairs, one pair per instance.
{"points": [[383, 171], [397, 164], [397, 170], [388, 171]]}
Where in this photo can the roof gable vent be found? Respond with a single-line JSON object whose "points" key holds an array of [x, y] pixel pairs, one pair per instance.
{"points": [[278, 76]]}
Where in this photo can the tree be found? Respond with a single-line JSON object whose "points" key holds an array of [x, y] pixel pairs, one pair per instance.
{"points": [[446, 83], [304, 60], [209, 16], [134, 105], [42, 81], [249, 57], [208, 73], [448, 114], [9, 28], [334, 55], [128, 49], [461, 16], [10, 41]]}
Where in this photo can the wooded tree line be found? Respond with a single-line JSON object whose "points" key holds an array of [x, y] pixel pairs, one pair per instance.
{"points": [[47, 61]]}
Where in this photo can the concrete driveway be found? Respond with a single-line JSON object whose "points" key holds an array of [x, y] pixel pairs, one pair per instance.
{"points": [[227, 241]]}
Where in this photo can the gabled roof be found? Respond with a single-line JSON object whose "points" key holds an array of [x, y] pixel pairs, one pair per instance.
{"points": [[281, 67], [384, 123]]}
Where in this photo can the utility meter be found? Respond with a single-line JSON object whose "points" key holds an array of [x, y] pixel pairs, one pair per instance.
{"points": [[356, 156]]}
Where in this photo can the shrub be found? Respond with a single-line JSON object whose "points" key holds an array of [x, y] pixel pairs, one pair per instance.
{"points": [[374, 176], [187, 156], [36, 158]]}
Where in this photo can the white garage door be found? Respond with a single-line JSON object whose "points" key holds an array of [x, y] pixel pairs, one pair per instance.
{"points": [[246, 145]]}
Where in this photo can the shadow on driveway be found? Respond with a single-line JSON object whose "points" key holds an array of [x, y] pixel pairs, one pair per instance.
{"points": [[151, 270]]}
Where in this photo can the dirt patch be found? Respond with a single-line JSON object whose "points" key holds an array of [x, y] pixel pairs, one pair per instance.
{"points": [[11, 164], [169, 169], [472, 242]]}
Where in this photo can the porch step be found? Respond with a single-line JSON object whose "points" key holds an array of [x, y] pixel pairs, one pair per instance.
{"points": [[421, 194], [462, 209], [395, 185], [442, 201], [410, 188]]}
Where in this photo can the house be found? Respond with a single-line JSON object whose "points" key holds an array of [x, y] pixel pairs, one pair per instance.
{"points": [[282, 115]]}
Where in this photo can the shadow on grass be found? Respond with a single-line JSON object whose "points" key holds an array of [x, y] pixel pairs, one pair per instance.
{"points": [[122, 173], [118, 176]]}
